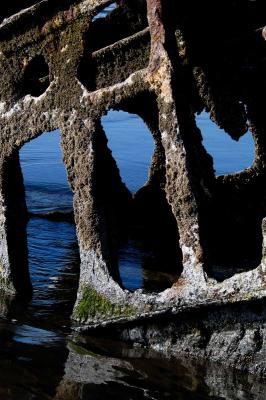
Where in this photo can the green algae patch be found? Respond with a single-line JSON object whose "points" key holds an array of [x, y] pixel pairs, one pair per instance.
{"points": [[94, 305]]}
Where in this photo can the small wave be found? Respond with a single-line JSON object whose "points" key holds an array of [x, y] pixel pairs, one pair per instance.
{"points": [[56, 216]]}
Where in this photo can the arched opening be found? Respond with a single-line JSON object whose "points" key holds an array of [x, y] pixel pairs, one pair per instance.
{"points": [[52, 245], [229, 156], [149, 257], [234, 219]]}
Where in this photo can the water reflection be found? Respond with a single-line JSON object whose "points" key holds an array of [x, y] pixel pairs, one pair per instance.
{"points": [[31, 361], [32, 340], [138, 269], [42, 363], [139, 374]]}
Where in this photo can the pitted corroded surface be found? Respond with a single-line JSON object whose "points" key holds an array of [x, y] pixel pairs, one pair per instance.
{"points": [[60, 68]]}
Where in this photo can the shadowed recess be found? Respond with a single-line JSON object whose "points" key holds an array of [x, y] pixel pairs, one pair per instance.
{"points": [[36, 77], [234, 223], [115, 23], [116, 45], [16, 218]]}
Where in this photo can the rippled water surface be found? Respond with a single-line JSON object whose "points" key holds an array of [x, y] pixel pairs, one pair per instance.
{"points": [[38, 359]]}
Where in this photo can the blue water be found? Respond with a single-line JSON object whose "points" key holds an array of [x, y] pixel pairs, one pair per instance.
{"points": [[36, 356], [45, 175], [132, 146], [229, 156], [105, 12]]}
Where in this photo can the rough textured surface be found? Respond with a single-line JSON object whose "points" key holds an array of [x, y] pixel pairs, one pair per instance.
{"points": [[62, 69], [232, 335]]}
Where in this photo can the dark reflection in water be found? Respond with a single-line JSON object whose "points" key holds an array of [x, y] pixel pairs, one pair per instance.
{"points": [[38, 357], [49, 367]]}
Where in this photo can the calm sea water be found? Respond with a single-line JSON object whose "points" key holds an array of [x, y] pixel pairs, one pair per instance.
{"points": [[38, 359]]}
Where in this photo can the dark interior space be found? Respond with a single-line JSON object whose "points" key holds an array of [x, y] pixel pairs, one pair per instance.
{"points": [[36, 76]]}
